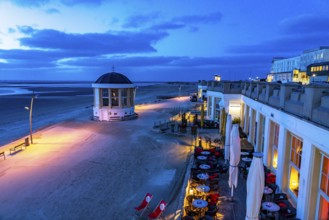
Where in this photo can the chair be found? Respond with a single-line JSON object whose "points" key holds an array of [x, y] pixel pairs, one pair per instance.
{"points": [[144, 204], [279, 196], [223, 169], [157, 212]]}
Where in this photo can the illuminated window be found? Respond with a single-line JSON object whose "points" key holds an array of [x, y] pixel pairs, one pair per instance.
{"points": [[320, 68], [115, 97], [324, 185], [323, 209], [295, 162], [275, 158], [276, 130], [312, 69]]}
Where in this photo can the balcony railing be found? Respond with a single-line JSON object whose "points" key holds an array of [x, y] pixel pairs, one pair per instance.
{"points": [[310, 102]]}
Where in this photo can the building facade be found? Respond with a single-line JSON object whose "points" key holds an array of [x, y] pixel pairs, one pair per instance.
{"points": [[283, 68], [289, 123]]}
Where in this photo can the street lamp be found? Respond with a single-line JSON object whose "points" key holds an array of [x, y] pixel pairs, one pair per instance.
{"points": [[30, 109]]}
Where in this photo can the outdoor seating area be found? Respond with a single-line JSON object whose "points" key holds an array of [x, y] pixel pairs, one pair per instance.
{"points": [[202, 199], [275, 204]]}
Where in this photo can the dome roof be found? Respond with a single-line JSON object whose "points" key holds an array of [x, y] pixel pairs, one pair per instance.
{"points": [[113, 78]]}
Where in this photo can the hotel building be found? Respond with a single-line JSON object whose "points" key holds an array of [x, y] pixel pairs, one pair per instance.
{"points": [[293, 69], [289, 123]]}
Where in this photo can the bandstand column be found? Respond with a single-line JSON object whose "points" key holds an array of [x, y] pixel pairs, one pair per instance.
{"points": [[120, 98], [96, 97], [110, 98]]}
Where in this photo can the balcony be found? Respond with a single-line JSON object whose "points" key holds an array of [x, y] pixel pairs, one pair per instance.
{"points": [[309, 102]]}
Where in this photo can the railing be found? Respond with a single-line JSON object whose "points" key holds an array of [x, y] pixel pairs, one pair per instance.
{"points": [[310, 102]]}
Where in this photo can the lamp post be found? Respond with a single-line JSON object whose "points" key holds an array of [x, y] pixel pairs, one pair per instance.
{"points": [[30, 109]]}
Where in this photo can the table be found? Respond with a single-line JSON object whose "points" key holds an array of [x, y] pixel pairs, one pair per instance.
{"points": [[202, 176], [200, 203], [246, 159], [203, 188], [271, 207], [244, 154], [201, 157], [204, 166], [205, 152]]}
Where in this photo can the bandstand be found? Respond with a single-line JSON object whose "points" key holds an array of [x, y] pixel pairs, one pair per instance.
{"points": [[114, 98]]}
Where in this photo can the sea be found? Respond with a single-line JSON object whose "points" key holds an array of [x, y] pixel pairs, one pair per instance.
{"points": [[18, 88]]}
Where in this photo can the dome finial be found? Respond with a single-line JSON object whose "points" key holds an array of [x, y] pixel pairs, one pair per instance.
{"points": [[112, 67]]}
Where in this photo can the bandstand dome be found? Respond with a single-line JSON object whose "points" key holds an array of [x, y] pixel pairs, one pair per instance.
{"points": [[113, 78], [114, 98]]}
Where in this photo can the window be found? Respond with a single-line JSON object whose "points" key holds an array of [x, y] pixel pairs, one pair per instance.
{"points": [[323, 209], [295, 162], [276, 130], [124, 100], [115, 97], [105, 97]]}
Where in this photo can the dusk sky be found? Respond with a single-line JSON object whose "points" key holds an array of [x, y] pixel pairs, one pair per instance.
{"points": [[149, 40]]}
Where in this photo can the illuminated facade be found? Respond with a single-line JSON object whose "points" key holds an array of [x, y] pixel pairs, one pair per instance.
{"points": [[318, 72], [114, 98], [289, 123], [284, 69]]}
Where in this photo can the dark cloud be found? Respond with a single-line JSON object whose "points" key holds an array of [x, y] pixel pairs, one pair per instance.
{"points": [[52, 11], [142, 67], [296, 35], [306, 23], [170, 61], [151, 21], [167, 26], [137, 21], [286, 45], [91, 43], [197, 19]]}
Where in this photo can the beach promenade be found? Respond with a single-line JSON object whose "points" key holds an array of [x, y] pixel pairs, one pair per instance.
{"points": [[82, 169]]}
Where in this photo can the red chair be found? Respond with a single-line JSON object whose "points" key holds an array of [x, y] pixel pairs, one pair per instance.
{"points": [[144, 204], [213, 199], [157, 212]]}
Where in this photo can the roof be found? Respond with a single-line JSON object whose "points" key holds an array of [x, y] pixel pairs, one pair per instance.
{"points": [[113, 78]]}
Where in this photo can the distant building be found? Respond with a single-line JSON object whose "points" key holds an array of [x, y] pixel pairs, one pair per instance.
{"points": [[114, 98], [293, 69]]}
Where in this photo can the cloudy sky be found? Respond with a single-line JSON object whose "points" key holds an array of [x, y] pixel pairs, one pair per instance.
{"points": [[153, 40]]}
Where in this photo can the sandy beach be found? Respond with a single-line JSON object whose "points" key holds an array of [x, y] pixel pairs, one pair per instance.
{"points": [[83, 169]]}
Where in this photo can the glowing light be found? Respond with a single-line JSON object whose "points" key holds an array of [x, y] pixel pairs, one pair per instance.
{"points": [[275, 160], [218, 78]]}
